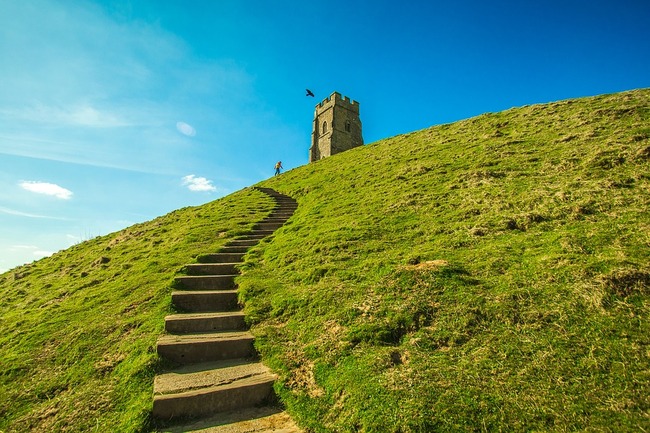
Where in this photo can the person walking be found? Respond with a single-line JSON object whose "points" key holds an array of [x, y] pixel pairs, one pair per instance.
{"points": [[278, 167]]}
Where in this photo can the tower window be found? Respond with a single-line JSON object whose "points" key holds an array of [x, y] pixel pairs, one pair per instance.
{"points": [[347, 126], [324, 127]]}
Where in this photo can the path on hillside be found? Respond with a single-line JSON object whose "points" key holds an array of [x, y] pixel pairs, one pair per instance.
{"points": [[219, 383]]}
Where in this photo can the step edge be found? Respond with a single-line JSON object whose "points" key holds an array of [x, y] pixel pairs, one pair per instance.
{"points": [[254, 379], [203, 338]]}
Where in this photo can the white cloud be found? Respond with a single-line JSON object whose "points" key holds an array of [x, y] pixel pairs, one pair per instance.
{"points": [[24, 247], [194, 183], [47, 189], [34, 250], [9, 211], [185, 129]]}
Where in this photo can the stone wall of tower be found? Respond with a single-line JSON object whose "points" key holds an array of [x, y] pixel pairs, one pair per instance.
{"points": [[336, 127]]}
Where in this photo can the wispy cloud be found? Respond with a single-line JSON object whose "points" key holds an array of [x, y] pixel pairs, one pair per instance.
{"points": [[107, 90], [29, 145], [185, 129], [8, 211], [34, 250], [24, 247], [80, 114], [195, 183], [47, 188]]}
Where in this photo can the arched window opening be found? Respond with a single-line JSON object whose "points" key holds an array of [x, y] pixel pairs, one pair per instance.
{"points": [[324, 127], [347, 126]]}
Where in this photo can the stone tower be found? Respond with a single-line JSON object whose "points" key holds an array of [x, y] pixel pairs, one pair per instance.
{"points": [[337, 127]]}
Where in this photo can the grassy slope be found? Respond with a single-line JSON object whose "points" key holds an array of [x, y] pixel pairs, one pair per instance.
{"points": [[77, 346], [491, 274]]}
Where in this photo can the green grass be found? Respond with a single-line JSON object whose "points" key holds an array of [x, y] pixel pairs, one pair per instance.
{"points": [[77, 346], [487, 275]]}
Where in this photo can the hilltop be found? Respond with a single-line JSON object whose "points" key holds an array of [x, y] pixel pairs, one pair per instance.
{"points": [[489, 274]]}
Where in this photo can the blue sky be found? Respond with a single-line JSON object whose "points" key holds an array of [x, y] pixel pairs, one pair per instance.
{"points": [[116, 112]]}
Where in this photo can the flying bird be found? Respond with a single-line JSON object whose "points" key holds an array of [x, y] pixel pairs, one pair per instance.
{"points": [[309, 93]]}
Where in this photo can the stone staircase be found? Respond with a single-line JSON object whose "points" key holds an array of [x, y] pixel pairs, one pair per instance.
{"points": [[218, 377]]}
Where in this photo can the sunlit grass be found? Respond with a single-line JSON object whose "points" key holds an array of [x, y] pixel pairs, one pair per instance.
{"points": [[490, 274], [486, 275], [77, 346]]}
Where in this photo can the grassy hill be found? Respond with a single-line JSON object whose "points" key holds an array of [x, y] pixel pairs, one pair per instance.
{"points": [[487, 275], [78, 329]]}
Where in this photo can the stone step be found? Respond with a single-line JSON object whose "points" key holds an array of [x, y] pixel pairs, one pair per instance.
{"points": [[274, 222], [202, 301], [218, 380], [234, 249], [204, 322], [211, 268], [258, 236], [195, 348], [284, 218], [255, 232], [221, 258], [273, 219], [211, 388], [284, 215], [264, 419], [206, 282], [269, 226], [243, 242]]}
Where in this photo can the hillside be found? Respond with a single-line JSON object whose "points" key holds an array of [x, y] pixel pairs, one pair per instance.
{"points": [[490, 274], [79, 329]]}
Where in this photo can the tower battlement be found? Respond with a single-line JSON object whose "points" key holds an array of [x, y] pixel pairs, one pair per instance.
{"points": [[336, 127], [337, 97]]}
